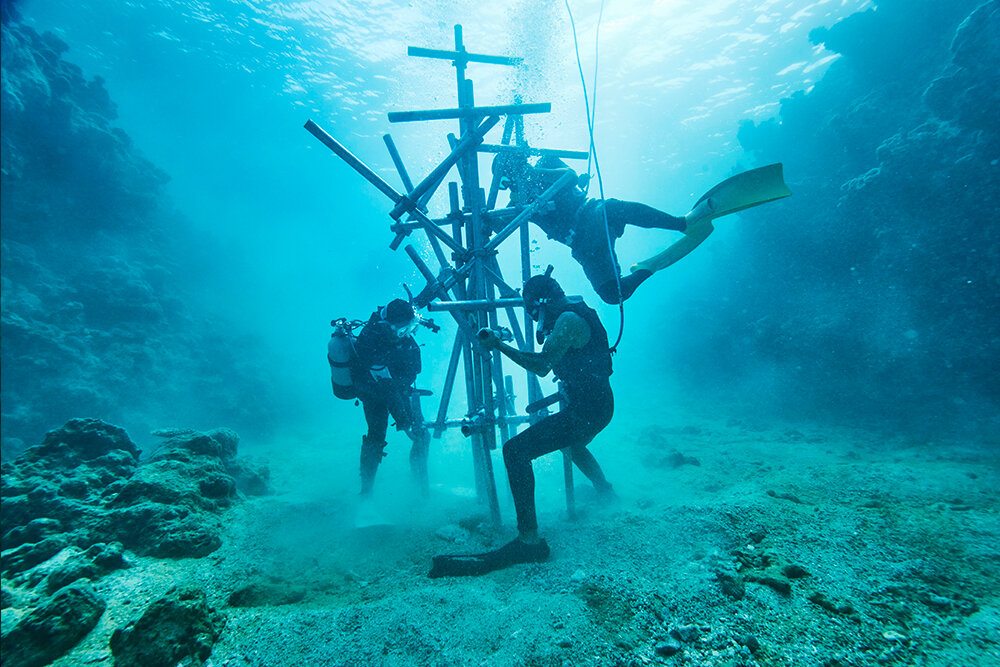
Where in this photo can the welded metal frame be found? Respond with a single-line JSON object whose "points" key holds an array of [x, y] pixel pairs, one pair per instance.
{"points": [[469, 281]]}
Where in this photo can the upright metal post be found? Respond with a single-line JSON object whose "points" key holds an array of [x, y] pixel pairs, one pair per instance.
{"points": [[484, 439]]}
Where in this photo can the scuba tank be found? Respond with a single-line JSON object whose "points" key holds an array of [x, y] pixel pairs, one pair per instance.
{"points": [[340, 353]]}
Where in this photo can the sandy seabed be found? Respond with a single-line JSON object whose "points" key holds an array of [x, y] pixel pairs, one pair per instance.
{"points": [[734, 542]]}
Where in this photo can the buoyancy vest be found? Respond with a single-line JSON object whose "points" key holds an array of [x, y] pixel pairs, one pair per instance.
{"points": [[582, 366], [382, 354], [556, 221]]}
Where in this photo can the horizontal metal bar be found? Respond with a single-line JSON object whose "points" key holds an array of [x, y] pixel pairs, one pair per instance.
{"points": [[477, 304], [409, 226], [462, 56], [444, 114], [495, 219], [447, 423], [523, 150]]}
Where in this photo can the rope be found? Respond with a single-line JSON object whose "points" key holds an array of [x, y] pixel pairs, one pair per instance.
{"points": [[591, 115]]}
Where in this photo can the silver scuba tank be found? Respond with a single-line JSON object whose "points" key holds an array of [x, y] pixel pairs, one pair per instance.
{"points": [[340, 353]]}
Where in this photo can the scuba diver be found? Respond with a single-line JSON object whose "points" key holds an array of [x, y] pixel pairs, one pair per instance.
{"points": [[383, 371], [576, 349], [590, 226], [578, 221]]}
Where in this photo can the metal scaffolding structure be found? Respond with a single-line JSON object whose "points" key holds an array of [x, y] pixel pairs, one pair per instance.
{"points": [[469, 284]]}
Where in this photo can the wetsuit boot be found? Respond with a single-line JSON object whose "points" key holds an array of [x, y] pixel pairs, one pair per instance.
{"points": [[371, 455]]}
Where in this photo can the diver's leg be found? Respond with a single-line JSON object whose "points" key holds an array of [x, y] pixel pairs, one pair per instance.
{"points": [[377, 417], [598, 258], [589, 466], [518, 452], [608, 290], [621, 213], [541, 438], [372, 452], [570, 427], [405, 409], [600, 264], [599, 409], [373, 444]]}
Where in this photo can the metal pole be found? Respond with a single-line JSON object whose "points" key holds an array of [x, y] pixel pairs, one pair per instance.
{"points": [[398, 161], [530, 210], [471, 137], [408, 184], [468, 112], [356, 164], [477, 304], [404, 204], [477, 404], [482, 362], [449, 385]]}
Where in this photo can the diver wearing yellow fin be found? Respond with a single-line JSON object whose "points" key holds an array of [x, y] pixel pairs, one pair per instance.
{"points": [[585, 224], [744, 190]]}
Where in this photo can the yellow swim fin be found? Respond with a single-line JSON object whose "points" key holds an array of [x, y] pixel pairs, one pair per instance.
{"points": [[751, 188]]}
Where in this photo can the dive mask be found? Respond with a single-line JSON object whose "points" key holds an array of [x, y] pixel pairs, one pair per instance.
{"points": [[405, 329], [536, 310]]}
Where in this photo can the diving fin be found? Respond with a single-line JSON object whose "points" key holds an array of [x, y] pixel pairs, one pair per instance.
{"points": [[742, 191], [473, 565], [746, 190]]}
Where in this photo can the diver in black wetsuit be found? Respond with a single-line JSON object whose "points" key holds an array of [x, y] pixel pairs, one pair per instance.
{"points": [[383, 373], [578, 222], [576, 350]]}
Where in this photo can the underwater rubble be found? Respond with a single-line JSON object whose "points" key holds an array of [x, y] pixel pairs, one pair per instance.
{"points": [[185, 628], [79, 505]]}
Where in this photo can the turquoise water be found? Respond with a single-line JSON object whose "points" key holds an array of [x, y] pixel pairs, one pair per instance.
{"points": [[811, 390], [215, 94]]}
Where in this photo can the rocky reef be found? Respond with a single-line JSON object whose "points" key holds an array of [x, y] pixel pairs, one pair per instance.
{"points": [[887, 256], [184, 626], [99, 270], [77, 506]]}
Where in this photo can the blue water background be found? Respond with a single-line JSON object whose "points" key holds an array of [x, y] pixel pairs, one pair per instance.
{"points": [[216, 93]]}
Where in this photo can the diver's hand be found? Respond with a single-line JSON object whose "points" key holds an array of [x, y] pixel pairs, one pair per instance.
{"points": [[488, 339]]}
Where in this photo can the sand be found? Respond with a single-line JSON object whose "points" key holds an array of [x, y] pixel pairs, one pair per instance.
{"points": [[850, 547]]}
